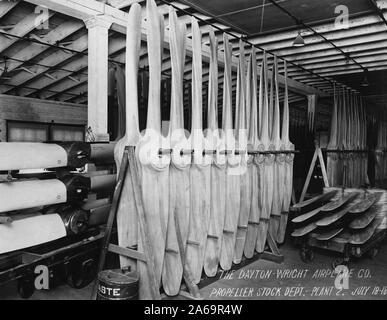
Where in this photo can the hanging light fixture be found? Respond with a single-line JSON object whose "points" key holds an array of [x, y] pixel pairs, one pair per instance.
{"points": [[299, 41], [365, 82]]}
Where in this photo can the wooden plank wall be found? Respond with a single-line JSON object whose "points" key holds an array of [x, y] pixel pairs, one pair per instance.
{"points": [[35, 110]]}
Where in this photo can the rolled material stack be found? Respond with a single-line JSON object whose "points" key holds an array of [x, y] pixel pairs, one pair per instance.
{"points": [[218, 191], [50, 205]]}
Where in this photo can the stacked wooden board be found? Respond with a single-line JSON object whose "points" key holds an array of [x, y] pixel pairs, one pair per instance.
{"points": [[351, 216]]}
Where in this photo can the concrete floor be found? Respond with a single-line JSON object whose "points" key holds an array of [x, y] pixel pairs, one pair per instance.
{"points": [[266, 280]]}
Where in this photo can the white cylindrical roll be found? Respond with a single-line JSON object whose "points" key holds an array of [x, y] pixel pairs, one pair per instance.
{"points": [[20, 155], [28, 194]]}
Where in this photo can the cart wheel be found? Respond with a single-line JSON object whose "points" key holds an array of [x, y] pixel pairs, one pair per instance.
{"points": [[307, 255], [26, 287], [81, 274], [372, 253]]}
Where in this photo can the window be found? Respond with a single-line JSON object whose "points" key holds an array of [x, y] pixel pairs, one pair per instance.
{"points": [[41, 132]]}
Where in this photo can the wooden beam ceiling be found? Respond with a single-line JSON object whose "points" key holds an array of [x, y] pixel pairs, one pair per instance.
{"points": [[83, 9], [365, 41]]}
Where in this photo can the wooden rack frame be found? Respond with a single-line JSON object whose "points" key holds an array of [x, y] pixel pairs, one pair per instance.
{"points": [[129, 163]]}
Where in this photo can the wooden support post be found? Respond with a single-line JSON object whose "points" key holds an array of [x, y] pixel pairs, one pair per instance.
{"points": [[98, 77], [309, 176], [317, 155], [323, 168], [3, 130]]}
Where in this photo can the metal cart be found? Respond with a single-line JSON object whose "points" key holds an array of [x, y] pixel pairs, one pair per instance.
{"points": [[72, 259], [346, 250]]}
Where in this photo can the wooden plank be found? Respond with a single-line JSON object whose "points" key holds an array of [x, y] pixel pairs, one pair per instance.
{"points": [[179, 183], [267, 173], [242, 126], [279, 164], [323, 168], [289, 161], [126, 252], [255, 168], [127, 215], [154, 167], [200, 174], [232, 174], [218, 172], [309, 176], [27, 109]]}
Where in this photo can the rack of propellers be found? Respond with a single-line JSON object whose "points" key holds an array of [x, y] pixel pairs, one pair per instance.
{"points": [[226, 187], [378, 128], [347, 151]]}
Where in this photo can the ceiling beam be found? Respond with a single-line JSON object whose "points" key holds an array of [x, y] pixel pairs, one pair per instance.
{"points": [[324, 29], [323, 46], [335, 37], [339, 57], [84, 9], [74, 92], [340, 64], [79, 65], [382, 4], [7, 6], [21, 29], [119, 4], [53, 37], [351, 69], [299, 57], [56, 59]]}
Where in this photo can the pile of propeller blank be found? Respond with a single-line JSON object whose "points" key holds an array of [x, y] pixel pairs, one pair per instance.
{"points": [[210, 196]]}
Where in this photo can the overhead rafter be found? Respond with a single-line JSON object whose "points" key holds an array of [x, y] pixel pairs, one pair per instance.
{"points": [[22, 28], [300, 22], [379, 10], [7, 6], [53, 37], [84, 9], [79, 65], [53, 60]]}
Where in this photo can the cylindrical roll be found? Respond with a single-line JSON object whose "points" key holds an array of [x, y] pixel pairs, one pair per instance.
{"points": [[20, 155], [105, 182], [102, 152], [75, 220], [99, 216], [31, 231], [28, 194], [93, 204]]}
